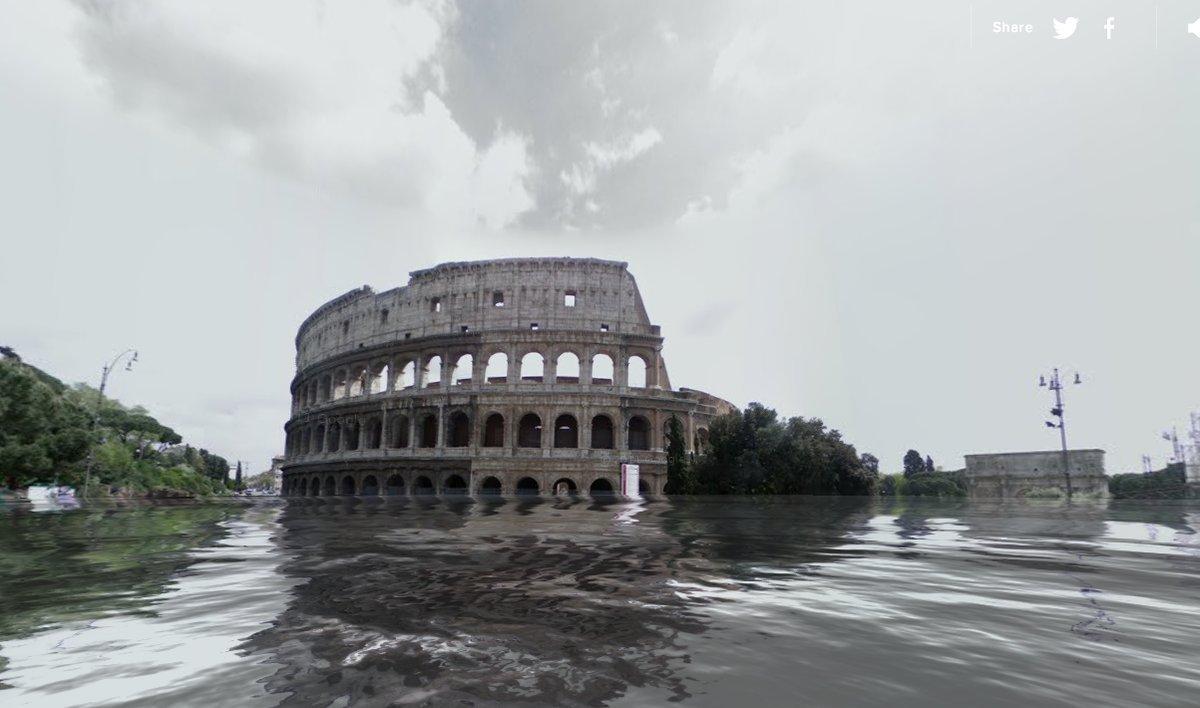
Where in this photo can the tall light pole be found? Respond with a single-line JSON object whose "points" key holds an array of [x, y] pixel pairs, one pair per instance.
{"points": [[108, 369], [1055, 385]]}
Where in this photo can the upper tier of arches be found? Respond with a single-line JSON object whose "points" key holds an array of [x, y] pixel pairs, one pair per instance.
{"points": [[483, 367]]}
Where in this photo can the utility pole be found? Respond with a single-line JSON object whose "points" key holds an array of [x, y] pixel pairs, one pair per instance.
{"points": [[1055, 385], [108, 369]]}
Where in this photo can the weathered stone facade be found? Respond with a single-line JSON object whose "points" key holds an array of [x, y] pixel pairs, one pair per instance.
{"points": [[521, 375], [1013, 475]]}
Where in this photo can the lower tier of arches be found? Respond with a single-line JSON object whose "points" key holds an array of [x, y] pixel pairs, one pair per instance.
{"points": [[418, 481]]}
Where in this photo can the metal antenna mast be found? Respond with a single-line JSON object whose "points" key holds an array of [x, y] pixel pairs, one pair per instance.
{"points": [[1055, 385]]}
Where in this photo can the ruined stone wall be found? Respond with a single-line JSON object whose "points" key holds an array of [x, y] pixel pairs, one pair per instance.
{"points": [[452, 296], [1011, 475], [397, 385]]}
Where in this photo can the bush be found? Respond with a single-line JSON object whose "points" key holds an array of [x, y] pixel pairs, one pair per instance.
{"points": [[1167, 483], [934, 484]]}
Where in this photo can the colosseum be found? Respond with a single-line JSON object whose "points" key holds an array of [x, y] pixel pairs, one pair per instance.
{"points": [[511, 376]]}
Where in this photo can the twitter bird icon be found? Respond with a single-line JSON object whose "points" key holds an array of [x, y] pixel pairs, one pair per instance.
{"points": [[1064, 29]]}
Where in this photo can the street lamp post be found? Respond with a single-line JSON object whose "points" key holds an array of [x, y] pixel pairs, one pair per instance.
{"points": [[108, 369], [1055, 385]]}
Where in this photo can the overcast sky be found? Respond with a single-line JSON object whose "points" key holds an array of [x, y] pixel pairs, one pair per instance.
{"points": [[873, 213]]}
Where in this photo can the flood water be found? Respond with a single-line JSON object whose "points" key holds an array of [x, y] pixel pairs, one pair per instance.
{"points": [[706, 602]]}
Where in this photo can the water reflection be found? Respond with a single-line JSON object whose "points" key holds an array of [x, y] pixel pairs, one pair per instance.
{"points": [[594, 602], [497, 600]]}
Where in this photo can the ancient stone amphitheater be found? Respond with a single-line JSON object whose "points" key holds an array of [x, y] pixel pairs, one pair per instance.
{"points": [[512, 376]]}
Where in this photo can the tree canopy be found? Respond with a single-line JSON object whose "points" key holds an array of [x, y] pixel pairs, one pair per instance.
{"points": [[757, 452], [46, 433]]}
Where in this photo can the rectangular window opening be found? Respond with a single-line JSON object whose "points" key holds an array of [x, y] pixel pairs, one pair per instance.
{"points": [[569, 298], [603, 328], [466, 328], [498, 298], [383, 315], [533, 326], [435, 304]]}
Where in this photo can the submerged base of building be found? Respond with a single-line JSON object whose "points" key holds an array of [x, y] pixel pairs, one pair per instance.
{"points": [[1017, 475], [471, 476]]}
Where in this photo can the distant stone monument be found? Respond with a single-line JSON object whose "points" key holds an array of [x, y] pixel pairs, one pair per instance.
{"points": [[1016, 475]]}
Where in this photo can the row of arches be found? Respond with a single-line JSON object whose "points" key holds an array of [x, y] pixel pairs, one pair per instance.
{"points": [[423, 485], [434, 372], [353, 434]]}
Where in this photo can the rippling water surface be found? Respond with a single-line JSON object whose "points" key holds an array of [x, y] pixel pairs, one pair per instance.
{"points": [[712, 602]]}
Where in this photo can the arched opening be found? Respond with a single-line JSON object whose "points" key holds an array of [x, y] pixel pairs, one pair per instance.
{"points": [[335, 436], [493, 431], [352, 434], [347, 486], [395, 485], [639, 433], [379, 378], [601, 487], [491, 487], [431, 377], [643, 487], [339, 385], [429, 431], [408, 376], [602, 370], [330, 487], [497, 368], [636, 372], [303, 488], [306, 441], [602, 433], [528, 486], [325, 388], [529, 434], [566, 368], [370, 486], [564, 487], [374, 433], [400, 431], [463, 370], [460, 430], [566, 431], [454, 484], [358, 380], [319, 441], [314, 487], [423, 486], [702, 440], [533, 367]]}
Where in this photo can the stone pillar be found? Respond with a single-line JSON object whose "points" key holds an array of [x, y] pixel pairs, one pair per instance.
{"points": [[478, 370], [550, 369], [585, 368], [514, 366], [441, 426]]}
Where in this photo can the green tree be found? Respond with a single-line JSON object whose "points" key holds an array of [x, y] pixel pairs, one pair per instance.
{"points": [[929, 466], [679, 479], [46, 433], [42, 436], [237, 480], [913, 464], [755, 452]]}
